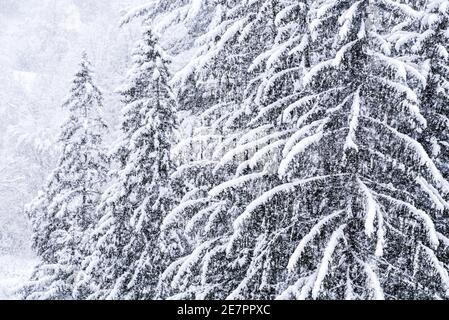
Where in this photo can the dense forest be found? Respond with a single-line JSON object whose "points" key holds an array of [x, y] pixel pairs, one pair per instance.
{"points": [[274, 149]]}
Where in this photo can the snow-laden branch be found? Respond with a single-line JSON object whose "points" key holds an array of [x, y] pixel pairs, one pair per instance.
{"points": [[314, 232], [236, 182], [419, 214], [336, 236], [421, 153], [269, 195], [373, 282], [300, 147], [370, 208]]}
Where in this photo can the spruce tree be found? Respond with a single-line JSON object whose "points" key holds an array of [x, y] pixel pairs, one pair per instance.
{"points": [[365, 219], [352, 213], [63, 215], [127, 255], [241, 70], [423, 41]]}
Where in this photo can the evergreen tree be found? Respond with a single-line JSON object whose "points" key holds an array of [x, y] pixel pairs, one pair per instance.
{"points": [[424, 42], [127, 255], [63, 215], [353, 212], [246, 76]]}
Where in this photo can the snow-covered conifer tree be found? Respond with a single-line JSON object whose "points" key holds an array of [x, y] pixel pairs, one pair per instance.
{"points": [[127, 255], [424, 42], [247, 62], [369, 191], [352, 213], [63, 215]]}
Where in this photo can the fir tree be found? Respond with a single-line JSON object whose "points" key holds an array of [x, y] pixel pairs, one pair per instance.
{"points": [[366, 183], [311, 160], [352, 213], [245, 77], [423, 41], [127, 256], [63, 215]]}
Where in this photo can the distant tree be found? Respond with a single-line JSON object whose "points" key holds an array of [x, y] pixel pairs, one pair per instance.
{"points": [[63, 214]]}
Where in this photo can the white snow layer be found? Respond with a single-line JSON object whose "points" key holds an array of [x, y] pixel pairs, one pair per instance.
{"points": [[14, 272]]}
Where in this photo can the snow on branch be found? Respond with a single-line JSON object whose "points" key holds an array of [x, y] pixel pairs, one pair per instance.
{"points": [[354, 122], [370, 208], [300, 147], [260, 59], [254, 133], [443, 239], [229, 34], [339, 56], [208, 260], [393, 63], [302, 102], [293, 290], [326, 260], [138, 12], [190, 141], [173, 217], [420, 215], [402, 8], [279, 51], [439, 267], [229, 156], [315, 231], [269, 195], [346, 20], [424, 158], [182, 169], [373, 282], [272, 107], [285, 12], [213, 33], [301, 47], [164, 21], [194, 9], [380, 234], [270, 82], [402, 89], [325, 8], [236, 182], [317, 69], [437, 200], [265, 151], [307, 129], [171, 270], [193, 259]]}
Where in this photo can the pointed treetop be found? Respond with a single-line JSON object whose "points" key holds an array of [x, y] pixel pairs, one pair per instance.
{"points": [[85, 64], [83, 92]]}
